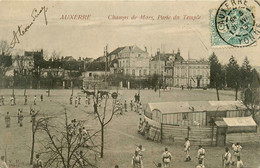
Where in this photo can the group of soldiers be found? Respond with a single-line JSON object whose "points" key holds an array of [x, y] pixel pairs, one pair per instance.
{"points": [[77, 100], [137, 160], [235, 159], [20, 115]]}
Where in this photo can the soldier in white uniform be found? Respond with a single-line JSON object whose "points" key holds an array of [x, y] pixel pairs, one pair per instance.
{"points": [[187, 149], [137, 161], [236, 151], [227, 159], [166, 158], [201, 154]]}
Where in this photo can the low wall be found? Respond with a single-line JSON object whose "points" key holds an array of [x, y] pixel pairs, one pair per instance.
{"points": [[197, 135]]}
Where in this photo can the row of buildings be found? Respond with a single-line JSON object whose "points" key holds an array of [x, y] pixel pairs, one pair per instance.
{"points": [[130, 61], [136, 63]]}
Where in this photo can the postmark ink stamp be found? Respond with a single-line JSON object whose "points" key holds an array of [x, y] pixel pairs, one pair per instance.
{"points": [[233, 24]]}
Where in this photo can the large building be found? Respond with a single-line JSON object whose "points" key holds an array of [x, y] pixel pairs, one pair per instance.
{"points": [[191, 73], [132, 60], [160, 63]]}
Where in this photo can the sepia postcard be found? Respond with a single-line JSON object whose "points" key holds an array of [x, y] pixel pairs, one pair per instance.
{"points": [[130, 84]]}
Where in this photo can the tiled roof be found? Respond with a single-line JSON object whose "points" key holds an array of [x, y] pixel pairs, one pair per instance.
{"points": [[96, 66]]}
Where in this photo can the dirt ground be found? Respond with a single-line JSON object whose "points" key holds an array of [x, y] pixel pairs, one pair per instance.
{"points": [[121, 135]]}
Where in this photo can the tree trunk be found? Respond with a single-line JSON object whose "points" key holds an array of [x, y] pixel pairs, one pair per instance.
{"points": [[217, 94], [32, 150], [102, 141], [236, 94]]}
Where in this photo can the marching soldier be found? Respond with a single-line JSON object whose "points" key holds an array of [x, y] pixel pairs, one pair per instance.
{"points": [[79, 99], [76, 102], [25, 100], [12, 100], [125, 105], [137, 161], [2, 162], [236, 151], [131, 105], [187, 149], [239, 163], [21, 118], [37, 163], [34, 100], [18, 115], [201, 154], [227, 159], [71, 97], [7, 120], [166, 158]]}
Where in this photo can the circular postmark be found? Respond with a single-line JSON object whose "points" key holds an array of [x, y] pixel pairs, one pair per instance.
{"points": [[235, 23]]}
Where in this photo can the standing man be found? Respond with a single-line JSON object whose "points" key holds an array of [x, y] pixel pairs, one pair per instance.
{"points": [[227, 160], [236, 150], [34, 100], [125, 105], [76, 102], [71, 98], [7, 120], [166, 158], [21, 119], [2, 162], [12, 100], [79, 99], [201, 154], [18, 116], [187, 149], [25, 100], [3, 100], [137, 160], [41, 97], [131, 105], [37, 163]]}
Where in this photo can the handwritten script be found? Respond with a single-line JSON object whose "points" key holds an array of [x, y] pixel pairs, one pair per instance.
{"points": [[22, 30]]}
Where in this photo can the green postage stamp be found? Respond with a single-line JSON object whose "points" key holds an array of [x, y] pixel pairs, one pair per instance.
{"points": [[234, 24]]}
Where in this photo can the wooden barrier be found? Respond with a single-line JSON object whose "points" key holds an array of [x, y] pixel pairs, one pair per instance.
{"points": [[243, 137], [197, 135]]}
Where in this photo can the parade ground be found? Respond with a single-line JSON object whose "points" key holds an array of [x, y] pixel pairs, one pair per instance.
{"points": [[121, 135]]}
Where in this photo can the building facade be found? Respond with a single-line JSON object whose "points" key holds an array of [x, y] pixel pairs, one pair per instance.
{"points": [[191, 73], [132, 60]]}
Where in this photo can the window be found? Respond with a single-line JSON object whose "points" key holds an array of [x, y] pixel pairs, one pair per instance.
{"points": [[119, 63], [133, 72], [126, 71], [145, 71], [90, 74], [123, 63], [140, 72]]}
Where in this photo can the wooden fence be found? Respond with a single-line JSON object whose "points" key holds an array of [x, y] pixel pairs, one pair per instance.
{"points": [[242, 137], [197, 135]]}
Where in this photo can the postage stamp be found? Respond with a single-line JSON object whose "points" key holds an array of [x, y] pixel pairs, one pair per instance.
{"points": [[233, 24]]}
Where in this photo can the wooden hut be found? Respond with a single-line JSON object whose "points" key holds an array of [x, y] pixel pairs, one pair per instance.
{"points": [[193, 113], [237, 129]]}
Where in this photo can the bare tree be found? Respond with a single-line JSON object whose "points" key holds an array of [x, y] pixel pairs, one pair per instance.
{"points": [[104, 116], [65, 146], [36, 125], [5, 59], [55, 55]]}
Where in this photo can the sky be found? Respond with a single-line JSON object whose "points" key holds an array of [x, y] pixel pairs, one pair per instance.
{"points": [[87, 38]]}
